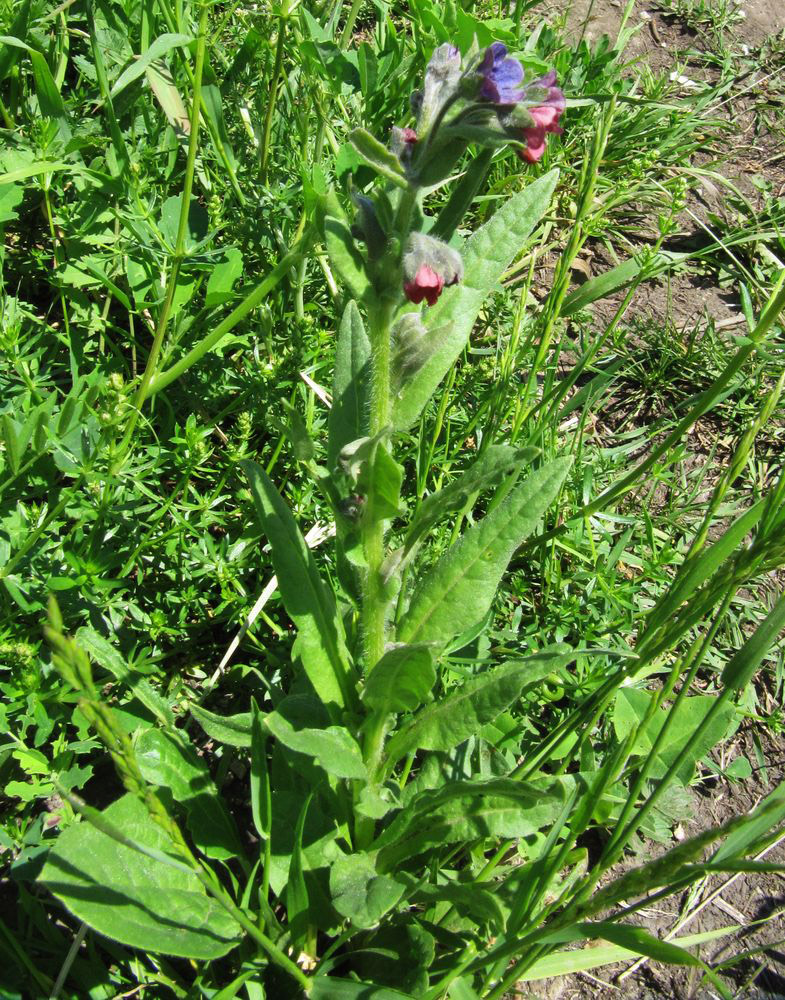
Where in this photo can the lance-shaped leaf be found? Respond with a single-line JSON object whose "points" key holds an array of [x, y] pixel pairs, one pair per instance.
{"points": [[377, 156], [345, 257], [495, 464], [233, 730], [120, 892], [348, 413], [460, 588], [486, 256], [171, 762], [463, 811], [298, 726], [321, 644], [463, 712], [401, 680]]}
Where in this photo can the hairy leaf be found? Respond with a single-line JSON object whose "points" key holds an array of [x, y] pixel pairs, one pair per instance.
{"points": [[460, 588], [348, 413], [401, 680], [487, 254], [463, 712], [120, 892], [359, 893], [320, 643]]}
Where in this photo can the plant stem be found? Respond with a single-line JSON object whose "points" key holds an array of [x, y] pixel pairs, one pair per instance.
{"points": [[268, 117], [249, 303], [374, 604], [179, 248]]}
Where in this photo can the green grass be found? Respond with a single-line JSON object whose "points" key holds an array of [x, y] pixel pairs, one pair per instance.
{"points": [[140, 522]]}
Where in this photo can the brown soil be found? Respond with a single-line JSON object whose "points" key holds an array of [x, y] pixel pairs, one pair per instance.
{"points": [[754, 902]]}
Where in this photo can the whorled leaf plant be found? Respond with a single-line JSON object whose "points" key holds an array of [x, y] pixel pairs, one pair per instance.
{"points": [[384, 828]]}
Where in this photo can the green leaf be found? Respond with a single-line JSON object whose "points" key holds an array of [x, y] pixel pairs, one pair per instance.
{"points": [[174, 765], [333, 747], [196, 225], [161, 45], [493, 466], [222, 278], [11, 196], [348, 414], [401, 680], [747, 831], [462, 713], [261, 802], [739, 670], [486, 256], [320, 643], [17, 30], [629, 709], [460, 588], [105, 655], [378, 156], [121, 893], [345, 257], [49, 100], [296, 892], [359, 893], [381, 480], [233, 730], [12, 439], [639, 940], [464, 811], [327, 988], [169, 97]]}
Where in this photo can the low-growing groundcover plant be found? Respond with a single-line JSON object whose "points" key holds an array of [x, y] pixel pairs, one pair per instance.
{"points": [[406, 846]]}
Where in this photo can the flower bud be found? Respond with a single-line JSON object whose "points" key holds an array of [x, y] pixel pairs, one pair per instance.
{"points": [[429, 265], [442, 80]]}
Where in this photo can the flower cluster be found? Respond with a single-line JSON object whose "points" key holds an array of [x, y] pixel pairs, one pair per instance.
{"points": [[484, 100]]}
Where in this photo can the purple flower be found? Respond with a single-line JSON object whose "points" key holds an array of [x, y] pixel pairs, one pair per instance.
{"points": [[545, 114], [501, 77]]}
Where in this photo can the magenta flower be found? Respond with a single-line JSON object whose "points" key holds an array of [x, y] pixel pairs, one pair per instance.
{"points": [[426, 284], [501, 77], [545, 114]]}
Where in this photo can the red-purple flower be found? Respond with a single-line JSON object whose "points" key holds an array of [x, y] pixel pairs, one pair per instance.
{"points": [[429, 266], [426, 284], [501, 77], [546, 114]]}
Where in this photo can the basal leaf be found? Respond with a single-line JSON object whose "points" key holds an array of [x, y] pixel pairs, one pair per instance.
{"points": [[328, 988], [464, 811], [233, 730], [119, 892], [460, 588], [359, 892], [486, 256], [332, 747], [630, 706], [320, 644], [174, 765], [462, 713]]}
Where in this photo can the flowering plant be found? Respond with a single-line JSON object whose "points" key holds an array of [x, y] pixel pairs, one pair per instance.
{"points": [[404, 846]]}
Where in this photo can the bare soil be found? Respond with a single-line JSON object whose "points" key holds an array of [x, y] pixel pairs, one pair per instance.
{"points": [[751, 904]]}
